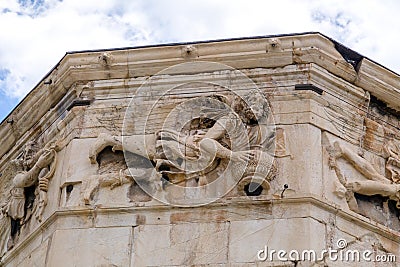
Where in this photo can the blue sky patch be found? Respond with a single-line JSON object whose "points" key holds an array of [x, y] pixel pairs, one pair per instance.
{"points": [[5, 10], [33, 3], [7, 104], [3, 74]]}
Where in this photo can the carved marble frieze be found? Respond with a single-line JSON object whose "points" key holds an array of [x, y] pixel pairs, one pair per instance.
{"points": [[372, 181], [27, 198], [215, 141], [252, 141]]}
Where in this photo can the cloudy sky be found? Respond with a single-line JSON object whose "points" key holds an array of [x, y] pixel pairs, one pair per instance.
{"points": [[35, 34]]}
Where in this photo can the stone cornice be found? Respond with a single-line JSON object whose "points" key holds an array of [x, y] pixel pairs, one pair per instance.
{"points": [[78, 68], [92, 216]]}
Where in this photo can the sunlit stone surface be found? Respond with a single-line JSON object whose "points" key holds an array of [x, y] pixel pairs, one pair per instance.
{"points": [[209, 154]]}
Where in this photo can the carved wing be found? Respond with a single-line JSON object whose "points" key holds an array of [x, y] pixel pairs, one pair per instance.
{"points": [[7, 176]]}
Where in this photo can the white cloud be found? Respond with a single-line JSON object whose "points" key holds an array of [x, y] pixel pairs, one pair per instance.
{"points": [[36, 33], [37, 40]]}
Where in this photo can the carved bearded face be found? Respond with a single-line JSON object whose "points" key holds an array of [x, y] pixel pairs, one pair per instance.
{"points": [[29, 152]]}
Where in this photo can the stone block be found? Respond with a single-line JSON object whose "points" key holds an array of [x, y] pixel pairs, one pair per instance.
{"points": [[91, 247], [180, 244]]}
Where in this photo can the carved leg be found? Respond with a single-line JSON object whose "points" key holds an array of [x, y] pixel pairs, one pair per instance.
{"points": [[89, 186], [351, 201], [370, 188], [359, 163]]}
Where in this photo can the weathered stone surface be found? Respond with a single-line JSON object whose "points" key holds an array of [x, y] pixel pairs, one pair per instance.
{"points": [[181, 244], [76, 247], [132, 160], [248, 237]]}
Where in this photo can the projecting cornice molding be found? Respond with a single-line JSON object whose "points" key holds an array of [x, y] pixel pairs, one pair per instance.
{"points": [[78, 68]]}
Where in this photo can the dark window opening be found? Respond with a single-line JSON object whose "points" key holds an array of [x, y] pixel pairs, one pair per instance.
{"points": [[253, 189]]}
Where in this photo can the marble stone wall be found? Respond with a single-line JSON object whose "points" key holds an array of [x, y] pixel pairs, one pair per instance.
{"points": [[107, 171]]}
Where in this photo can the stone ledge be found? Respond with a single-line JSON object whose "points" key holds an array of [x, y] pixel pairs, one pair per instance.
{"points": [[79, 67], [52, 224]]}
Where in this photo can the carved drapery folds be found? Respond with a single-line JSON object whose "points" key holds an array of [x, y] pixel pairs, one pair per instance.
{"points": [[28, 193], [391, 152], [231, 135]]}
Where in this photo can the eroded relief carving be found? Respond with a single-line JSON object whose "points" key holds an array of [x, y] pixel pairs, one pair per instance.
{"points": [[109, 180], [246, 148], [235, 131], [391, 150], [28, 194], [5, 229], [119, 174], [374, 183]]}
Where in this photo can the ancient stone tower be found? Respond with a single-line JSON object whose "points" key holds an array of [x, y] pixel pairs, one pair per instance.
{"points": [[268, 151]]}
